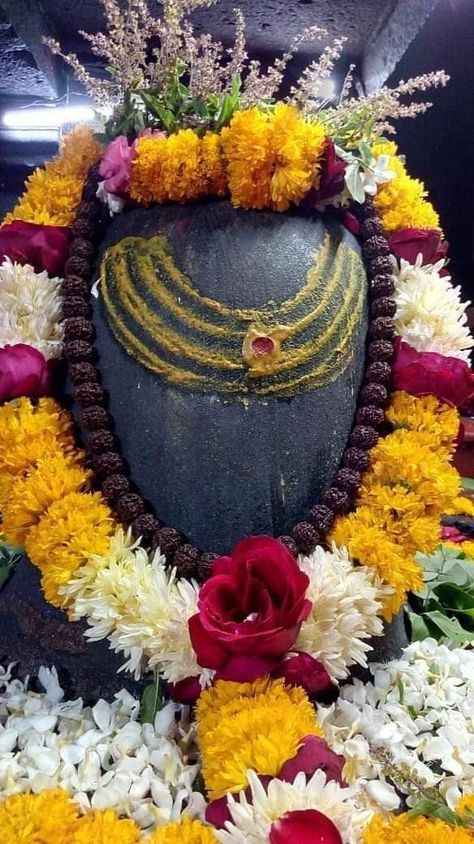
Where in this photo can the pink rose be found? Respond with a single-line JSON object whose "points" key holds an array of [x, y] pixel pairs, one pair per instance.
{"points": [[409, 243], [115, 166], [44, 247], [304, 826], [303, 670], [250, 610], [421, 373], [23, 372]]}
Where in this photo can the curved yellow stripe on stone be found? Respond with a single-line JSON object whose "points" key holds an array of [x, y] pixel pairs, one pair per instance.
{"points": [[160, 318]]}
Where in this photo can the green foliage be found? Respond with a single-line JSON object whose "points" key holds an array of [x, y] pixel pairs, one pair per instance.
{"points": [[151, 702], [9, 558], [445, 606]]}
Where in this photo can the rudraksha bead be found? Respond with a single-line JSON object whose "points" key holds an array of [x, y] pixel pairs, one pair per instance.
{"points": [[375, 246], [381, 265], [321, 517], [382, 328], [379, 372], [337, 499], [81, 373], [78, 266], [78, 350], [108, 463], [356, 458], [83, 227], [89, 394], [371, 227], [81, 247], [168, 540], [186, 560], [145, 526], [364, 436], [347, 479], [374, 394], [382, 285], [129, 506], [78, 328], [289, 544], [381, 350], [371, 415], [75, 306], [99, 441], [114, 486], [205, 564], [93, 417], [384, 306], [91, 209], [306, 537], [74, 285]]}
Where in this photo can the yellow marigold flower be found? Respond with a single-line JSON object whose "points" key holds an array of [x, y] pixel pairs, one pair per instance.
{"points": [[461, 506], [182, 176], [466, 548], [50, 199], [404, 829], [31, 495], [244, 726], [370, 545], [71, 530], [213, 165], [146, 173], [401, 203], [185, 831], [247, 148], [79, 151], [29, 432], [105, 828], [38, 818], [427, 414], [465, 803]]}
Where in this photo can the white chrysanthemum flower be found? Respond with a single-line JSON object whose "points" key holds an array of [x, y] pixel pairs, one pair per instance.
{"points": [[430, 315], [30, 309], [252, 817], [102, 755], [345, 613], [418, 711], [141, 607]]}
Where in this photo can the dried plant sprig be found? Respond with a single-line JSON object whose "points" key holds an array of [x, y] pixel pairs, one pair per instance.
{"points": [[306, 93]]}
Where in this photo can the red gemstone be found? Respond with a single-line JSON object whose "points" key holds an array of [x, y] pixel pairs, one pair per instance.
{"points": [[263, 346]]}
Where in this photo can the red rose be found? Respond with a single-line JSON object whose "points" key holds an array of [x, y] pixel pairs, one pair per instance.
{"points": [[409, 243], [250, 610], [185, 691], [304, 826], [303, 670], [450, 533], [419, 373], [331, 178], [23, 372], [44, 247], [313, 755]]}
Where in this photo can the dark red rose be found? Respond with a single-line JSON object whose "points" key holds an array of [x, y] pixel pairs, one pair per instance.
{"points": [[409, 243], [303, 670], [332, 172], [185, 691], [23, 372], [217, 811], [350, 221], [250, 610], [44, 247], [419, 373], [304, 826], [314, 754]]}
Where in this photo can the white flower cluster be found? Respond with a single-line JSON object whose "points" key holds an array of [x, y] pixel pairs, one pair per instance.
{"points": [[141, 607], [345, 612], [430, 315], [419, 712], [30, 309], [252, 817], [102, 755]]}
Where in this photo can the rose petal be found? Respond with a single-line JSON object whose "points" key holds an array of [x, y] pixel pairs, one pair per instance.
{"points": [[305, 826]]}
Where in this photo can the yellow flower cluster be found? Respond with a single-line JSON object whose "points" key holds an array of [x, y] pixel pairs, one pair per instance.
{"points": [[178, 168], [257, 726], [43, 493], [404, 829], [402, 202], [185, 831], [53, 193], [272, 157], [410, 484]]}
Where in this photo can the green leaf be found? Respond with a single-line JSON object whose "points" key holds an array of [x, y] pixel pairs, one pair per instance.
{"points": [[450, 627], [365, 153], [10, 556], [419, 627], [431, 808], [354, 182], [151, 702], [401, 689], [456, 599], [467, 483]]}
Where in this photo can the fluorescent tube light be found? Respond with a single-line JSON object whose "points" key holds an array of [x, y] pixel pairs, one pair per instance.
{"points": [[47, 118]]}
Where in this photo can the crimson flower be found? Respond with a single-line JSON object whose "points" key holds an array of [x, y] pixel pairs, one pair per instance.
{"points": [[44, 247], [313, 755], [115, 166], [331, 177], [409, 243], [421, 373], [23, 372], [303, 670], [304, 826], [250, 610]]}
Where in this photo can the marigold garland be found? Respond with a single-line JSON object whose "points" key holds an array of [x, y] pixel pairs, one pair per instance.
{"points": [[244, 726], [39, 818], [401, 202], [106, 828], [404, 829], [185, 831]]}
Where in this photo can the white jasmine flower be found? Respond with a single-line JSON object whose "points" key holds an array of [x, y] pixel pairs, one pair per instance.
{"points": [[115, 203], [378, 173], [30, 309], [430, 315], [141, 607], [345, 611], [252, 818]]}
